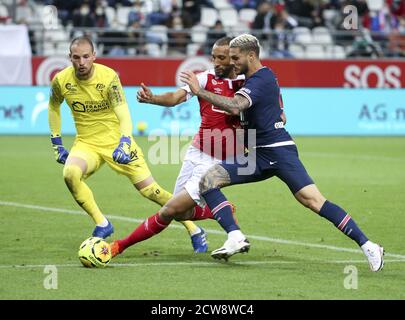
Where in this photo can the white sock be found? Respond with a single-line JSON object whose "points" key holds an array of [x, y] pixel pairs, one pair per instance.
{"points": [[366, 245], [236, 235], [103, 224]]}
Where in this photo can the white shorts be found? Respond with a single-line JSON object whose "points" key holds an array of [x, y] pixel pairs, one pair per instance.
{"points": [[195, 164]]}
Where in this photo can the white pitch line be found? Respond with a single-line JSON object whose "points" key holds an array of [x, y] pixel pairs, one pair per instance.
{"points": [[194, 264], [211, 231]]}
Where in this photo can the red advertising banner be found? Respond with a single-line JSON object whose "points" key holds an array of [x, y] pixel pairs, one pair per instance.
{"points": [[290, 73]]}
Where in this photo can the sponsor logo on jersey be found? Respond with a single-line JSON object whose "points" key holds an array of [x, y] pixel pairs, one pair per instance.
{"points": [[279, 125], [71, 88], [215, 82], [90, 106], [78, 106], [100, 87], [218, 90]]}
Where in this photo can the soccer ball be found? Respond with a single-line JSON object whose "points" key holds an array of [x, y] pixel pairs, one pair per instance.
{"points": [[94, 252]]}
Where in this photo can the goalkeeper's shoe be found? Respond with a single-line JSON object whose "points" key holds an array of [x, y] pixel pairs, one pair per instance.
{"points": [[103, 232], [230, 248], [115, 248], [374, 254], [199, 241]]}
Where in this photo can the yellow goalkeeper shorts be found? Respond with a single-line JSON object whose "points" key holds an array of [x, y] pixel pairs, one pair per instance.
{"points": [[137, 170]]}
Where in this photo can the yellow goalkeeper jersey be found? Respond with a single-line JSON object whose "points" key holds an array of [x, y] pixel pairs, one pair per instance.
{"points": [[92, 104]]}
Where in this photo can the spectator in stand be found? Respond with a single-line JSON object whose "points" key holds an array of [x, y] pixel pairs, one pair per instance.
{"points": [[136, 39], [168, 6], [100, 16], [302, 11], [83, 17], [192, 8], [243, 4], [397, 7], [66, 9], [136, 14], [144, 7], [177, 37], [214, 34], [24, 13], [281, 23], [158, 17], [261, 22], [396, 45], [317, 13], [114, 3]]}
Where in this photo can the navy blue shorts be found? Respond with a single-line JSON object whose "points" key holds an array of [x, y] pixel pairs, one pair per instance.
{"points": [[282, 162]]}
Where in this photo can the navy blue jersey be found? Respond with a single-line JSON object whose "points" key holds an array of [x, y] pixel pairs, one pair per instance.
{"points": [[264, 112]]}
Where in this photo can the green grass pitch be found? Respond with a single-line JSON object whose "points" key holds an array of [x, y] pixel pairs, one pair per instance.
{"points": [[294, 254]]}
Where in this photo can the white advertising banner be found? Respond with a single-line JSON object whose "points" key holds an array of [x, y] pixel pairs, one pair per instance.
{"points": [[15, 55]]}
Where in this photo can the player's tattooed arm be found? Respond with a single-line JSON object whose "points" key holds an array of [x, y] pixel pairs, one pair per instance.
{"points": [[215, 177], [233, 105]]}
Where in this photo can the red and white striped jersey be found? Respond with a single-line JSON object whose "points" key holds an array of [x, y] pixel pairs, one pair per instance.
{"points": [[217, 127]]}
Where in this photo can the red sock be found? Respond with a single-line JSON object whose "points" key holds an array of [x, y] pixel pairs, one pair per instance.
{"points": [[202, 213], [151, 226]]}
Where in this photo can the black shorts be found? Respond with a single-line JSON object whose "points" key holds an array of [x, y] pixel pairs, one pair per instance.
{"points": [[264, 163]]}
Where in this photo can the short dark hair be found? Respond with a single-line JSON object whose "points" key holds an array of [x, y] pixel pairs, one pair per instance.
{"points": [[224, 41], [82, 39]]}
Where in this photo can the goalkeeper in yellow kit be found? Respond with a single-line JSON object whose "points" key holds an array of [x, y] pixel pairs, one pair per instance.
{"points": [[104, 134]]}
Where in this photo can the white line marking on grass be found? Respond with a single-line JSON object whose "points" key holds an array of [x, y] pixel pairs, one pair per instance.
{"points": [[195, 264], [211, 231]]}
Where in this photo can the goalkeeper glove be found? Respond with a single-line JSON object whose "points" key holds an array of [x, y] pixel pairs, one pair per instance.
{"points": [[61, 153], [122, 153]]}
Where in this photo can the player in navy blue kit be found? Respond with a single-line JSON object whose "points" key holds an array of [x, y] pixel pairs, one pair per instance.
{"points": [[272, 153]]}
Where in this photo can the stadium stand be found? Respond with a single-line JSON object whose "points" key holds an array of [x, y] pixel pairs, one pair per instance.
{"points": [[286, 28]]}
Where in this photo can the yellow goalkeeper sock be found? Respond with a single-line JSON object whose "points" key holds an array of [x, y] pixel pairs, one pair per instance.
{"points": [[82, 193], [191, 227], [156, 193], [159, 195]]}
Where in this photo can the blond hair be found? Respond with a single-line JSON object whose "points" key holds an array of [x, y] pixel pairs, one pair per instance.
{"points": [[246, 42]]}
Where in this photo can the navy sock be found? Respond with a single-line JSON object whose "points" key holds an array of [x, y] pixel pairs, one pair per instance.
{"points": [[343, 222], [221, 209]]}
